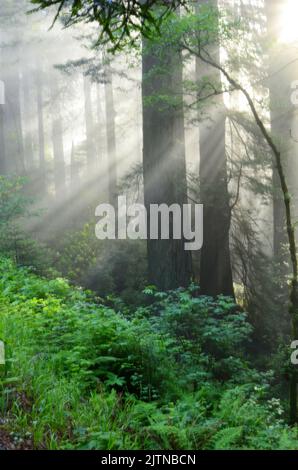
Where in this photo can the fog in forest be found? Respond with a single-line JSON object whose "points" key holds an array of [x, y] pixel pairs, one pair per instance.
{"points": [[72, 127], [186, 102]]}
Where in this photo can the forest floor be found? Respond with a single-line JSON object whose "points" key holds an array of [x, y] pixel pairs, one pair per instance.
{"points": [[11, 441], [82, 376]]}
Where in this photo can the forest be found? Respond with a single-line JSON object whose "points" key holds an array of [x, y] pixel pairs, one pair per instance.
{"points": [[148, 225]]}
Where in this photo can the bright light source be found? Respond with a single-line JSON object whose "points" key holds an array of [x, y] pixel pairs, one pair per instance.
{"points": [[289, 22]]}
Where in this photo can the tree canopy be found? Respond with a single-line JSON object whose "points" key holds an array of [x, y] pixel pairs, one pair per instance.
{"points": [[119, 19]]}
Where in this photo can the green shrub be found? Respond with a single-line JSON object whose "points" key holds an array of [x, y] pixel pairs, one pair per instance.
{"points": [[170, 375]]}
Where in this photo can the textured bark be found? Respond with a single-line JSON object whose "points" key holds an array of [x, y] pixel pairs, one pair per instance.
{"points": [[169, 265]]}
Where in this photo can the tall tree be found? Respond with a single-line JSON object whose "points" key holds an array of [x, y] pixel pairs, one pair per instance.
{"points": [[41, 130], [57, 139], [169, 265], [111, 135], [90, 147], [12, 111], [99, 123], [27, 115], [215, 267]]}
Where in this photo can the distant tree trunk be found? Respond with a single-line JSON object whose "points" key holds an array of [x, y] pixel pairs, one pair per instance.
{"points": [[169, 265], [91, 154], [111, 136], [57, 138], [12, 114], [41, 139], [74, 170], [28, 136], [100, 145], [215, 269]]}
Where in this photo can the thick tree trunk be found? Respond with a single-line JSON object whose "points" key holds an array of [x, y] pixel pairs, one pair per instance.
{"points": [[215, 268], [169, 265]]}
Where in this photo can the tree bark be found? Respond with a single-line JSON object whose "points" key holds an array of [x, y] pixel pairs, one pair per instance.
{"points": [[215, 266], [169, 265]]}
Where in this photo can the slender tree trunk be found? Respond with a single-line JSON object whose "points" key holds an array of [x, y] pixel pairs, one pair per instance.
{"points": [[100, 145], [41, 139], [74, 170], [12, 114], [169, 265], [28, 137], [57, 139], [111, 136], [91, 154], [215, 268]]}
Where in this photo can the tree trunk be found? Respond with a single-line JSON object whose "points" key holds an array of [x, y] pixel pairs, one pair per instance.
{"points": [[215, 268], [100, 144], [41, 139], [27, 127], [111, 137], [90, 147], [169, 265], [12, 114], [57, 139]]}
